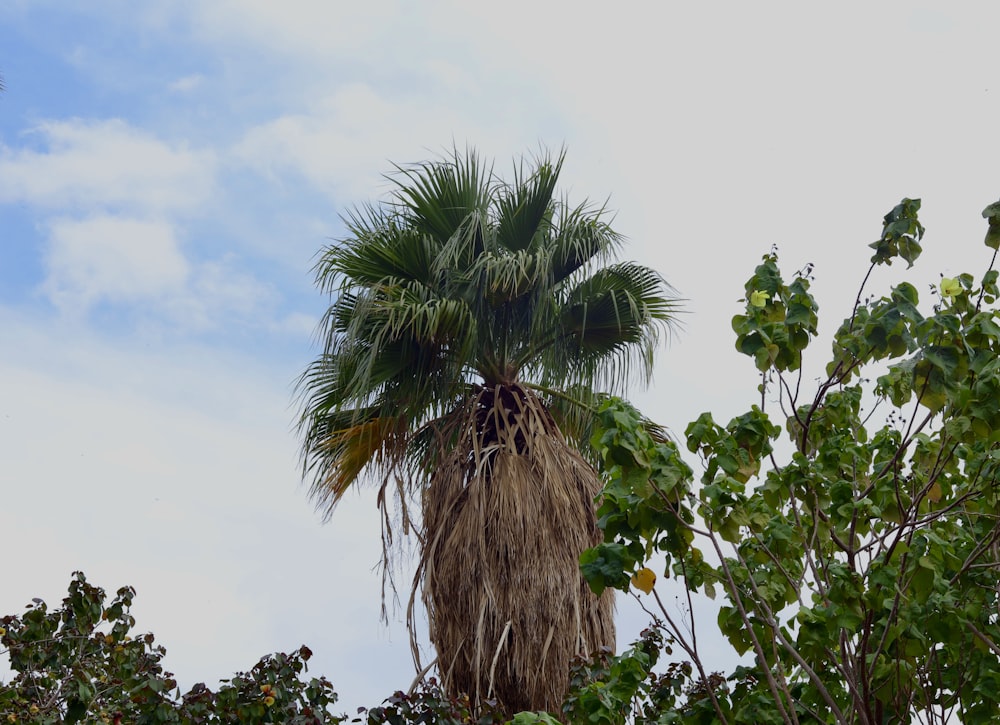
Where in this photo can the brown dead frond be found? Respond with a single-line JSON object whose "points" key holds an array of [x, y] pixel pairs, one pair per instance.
{"points": [[506, 516], [378, 440]]}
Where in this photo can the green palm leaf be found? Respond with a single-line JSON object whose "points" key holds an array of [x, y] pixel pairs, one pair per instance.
{"points": [[459, 276], [445, 198], [525, 207]]}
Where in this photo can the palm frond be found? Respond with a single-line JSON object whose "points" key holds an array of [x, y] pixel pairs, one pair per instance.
{"points": [[438, 198], [610, 324], [461, 275], [381, 248], [615, 306], [502, 278], [583, 238], [525, 206], [349, 450], [461, 250]]}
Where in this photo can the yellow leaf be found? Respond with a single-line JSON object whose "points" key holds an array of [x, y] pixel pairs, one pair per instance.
{"points": [[758, 298], [950, 287], [644, 580], [934, 492]]}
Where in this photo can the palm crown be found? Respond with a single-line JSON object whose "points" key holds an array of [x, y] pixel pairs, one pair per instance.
{"points": [[461, 281]]}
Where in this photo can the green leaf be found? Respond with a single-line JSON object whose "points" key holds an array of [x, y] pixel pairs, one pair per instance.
{"points": [[75, 711], [607, 565], [992, 215], [533, 718], [729, 529], [992, 239], [901, 233]]}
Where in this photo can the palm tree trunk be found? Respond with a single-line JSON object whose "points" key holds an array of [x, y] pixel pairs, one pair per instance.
{"points": [[506, 516]]}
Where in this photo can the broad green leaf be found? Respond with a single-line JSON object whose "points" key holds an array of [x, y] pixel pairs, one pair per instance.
{"points": [[992, 216]]}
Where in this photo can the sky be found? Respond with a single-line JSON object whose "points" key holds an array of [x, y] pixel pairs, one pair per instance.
{"points": [[169, 170]]}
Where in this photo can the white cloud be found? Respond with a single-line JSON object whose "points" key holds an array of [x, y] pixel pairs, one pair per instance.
{"points": [[139, 263], [297, 324], [104, 163], [219, 291], [187, 83], [346, 141], [114, 194], [113, 259], [302, 27]]}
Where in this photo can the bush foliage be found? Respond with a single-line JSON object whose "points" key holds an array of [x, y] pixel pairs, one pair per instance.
{"points": [[858, 570], [82, 663]]}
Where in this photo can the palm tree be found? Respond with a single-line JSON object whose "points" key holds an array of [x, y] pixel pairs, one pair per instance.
{"points": [[474, 321]]}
